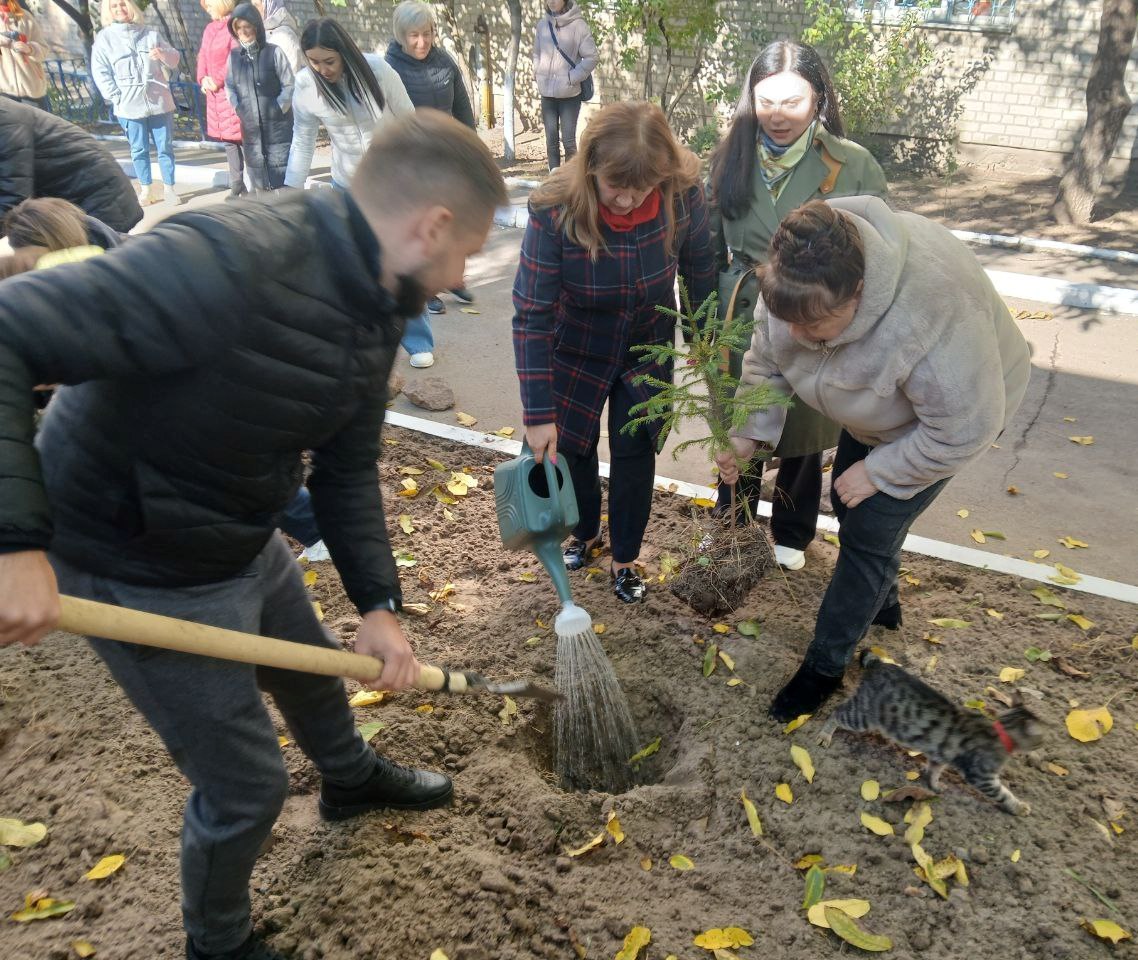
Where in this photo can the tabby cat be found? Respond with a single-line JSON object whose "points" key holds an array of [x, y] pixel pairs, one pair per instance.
{"points": [[896, 704]]}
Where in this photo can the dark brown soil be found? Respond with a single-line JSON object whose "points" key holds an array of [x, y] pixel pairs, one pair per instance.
{"points": [[490, 879]]}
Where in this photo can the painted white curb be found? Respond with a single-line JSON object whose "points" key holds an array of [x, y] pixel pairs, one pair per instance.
{"points": [[1035, 243], [188, 174], [938, 549], [1090, 296]]}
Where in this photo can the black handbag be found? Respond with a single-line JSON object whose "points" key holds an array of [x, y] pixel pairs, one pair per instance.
{"points": [[586, 84]]}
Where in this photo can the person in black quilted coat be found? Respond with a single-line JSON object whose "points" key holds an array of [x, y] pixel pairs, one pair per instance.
{"points": [[198, 363], [42, 155]]}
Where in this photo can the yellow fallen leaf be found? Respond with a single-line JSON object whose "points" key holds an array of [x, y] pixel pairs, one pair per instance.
{"points": [[646, 752], [612, 825], [728, 937], [752, 814], [83, 949], [870, 790], [599, 628], [318, 610], [310, 578], [645, 864], [509, 710], [1015, 856], [369, 730], [1060, 476], [801, 719], [720, 628], [1089, 725], [465, 418], [1105, 930], [283, 742], [994, 614], [1080, 621], [831, 538], [703, 502], [877, 825], [1071, 543], [734, 682], [435, 464], [458, 488], [680, 862], [802, 760], [1067, 572], [105, 867], [1070, 419], [1014, 491], [411, 471], [409, 487], [438, 955], [783, 792], [504, 432], [638, 938], [978, 536], [425, 708], [405, 524], [447, 515], [1011, 674], [851, 908], [846, 869], [527, 577], [16, 833], [950, 623], [807, 861], [1082, 441], [842, 924], [913, 775], [1056, 769], [912, 581], [591, 845], [728, 660], [38, 907], [367, 698], [963, 514], [1041, 554]]}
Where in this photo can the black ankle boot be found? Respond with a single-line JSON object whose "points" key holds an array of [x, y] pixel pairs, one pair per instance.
{"points": [[391, 787], [888, 617], [805, 692]]}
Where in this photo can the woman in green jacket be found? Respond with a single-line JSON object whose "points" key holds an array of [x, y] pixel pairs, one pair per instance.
{"points": [[784, 148]]}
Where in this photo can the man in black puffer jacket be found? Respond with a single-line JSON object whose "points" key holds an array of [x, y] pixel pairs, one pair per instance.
{"points": [[42, 155], [207, 355]]}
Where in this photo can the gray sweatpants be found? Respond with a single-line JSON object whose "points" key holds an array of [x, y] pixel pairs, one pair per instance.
{"points": [[213, 720]]}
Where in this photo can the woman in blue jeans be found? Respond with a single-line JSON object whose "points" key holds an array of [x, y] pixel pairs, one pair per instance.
{"points": [[132, 67], [887, 324]]}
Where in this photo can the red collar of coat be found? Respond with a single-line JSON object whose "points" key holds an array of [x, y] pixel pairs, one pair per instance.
{"points": [[623, 222]]}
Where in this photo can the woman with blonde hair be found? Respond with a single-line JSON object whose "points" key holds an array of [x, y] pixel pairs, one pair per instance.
{"points": [[132, 66], [221, 122], [607, 235]]}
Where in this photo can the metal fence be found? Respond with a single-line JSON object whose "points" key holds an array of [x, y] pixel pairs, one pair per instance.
{"points": [[72, 95]]}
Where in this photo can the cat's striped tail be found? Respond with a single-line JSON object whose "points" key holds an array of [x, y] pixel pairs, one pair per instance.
{"points": [[867, 658]]}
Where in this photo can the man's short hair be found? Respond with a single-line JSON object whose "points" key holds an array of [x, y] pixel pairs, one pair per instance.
{"points": [[428, 158]]}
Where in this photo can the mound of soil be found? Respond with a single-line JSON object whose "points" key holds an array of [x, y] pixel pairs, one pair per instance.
{"points": [[727, 564], [490, 878]]}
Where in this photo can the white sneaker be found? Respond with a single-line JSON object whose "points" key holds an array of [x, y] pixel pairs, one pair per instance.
{"points": [[171, 195], [788, 558], [144, 197], [424, 359], [317, 553]]}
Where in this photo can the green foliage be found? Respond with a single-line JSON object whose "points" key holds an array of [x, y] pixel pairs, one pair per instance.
{"points": [[706, 391], [704, 139], [871, 68]]}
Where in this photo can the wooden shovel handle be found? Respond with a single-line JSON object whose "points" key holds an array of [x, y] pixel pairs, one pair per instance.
{"points": [[94, 619]]}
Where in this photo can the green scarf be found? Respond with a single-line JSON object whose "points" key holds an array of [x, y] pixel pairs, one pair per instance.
{"points": [[777, 163]]}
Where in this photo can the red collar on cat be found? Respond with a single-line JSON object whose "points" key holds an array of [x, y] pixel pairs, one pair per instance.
{"points": [[1003, 735]]}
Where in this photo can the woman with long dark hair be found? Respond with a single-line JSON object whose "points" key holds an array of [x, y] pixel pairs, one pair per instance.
{"points": [[785, 147], [608, 233]]}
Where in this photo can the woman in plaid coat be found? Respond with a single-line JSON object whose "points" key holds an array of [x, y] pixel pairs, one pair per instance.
{"points": [[607, 235]]}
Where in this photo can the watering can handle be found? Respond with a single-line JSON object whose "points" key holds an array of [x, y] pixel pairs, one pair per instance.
{"points": [[551, 479]]}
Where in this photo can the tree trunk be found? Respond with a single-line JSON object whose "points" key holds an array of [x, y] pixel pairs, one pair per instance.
{"points": [[509, 80], [1107, 107]]}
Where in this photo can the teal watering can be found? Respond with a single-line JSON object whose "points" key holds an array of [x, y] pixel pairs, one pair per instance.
{"points": [[537, 510]]}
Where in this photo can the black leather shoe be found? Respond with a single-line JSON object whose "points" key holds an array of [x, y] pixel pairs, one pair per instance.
{"points": [[577, 553], [252, 949], [805, 692], [888, 617], [627, 585], [391, 787]]}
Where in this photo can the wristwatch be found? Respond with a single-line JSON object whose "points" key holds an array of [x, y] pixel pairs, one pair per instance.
{"points": [[391, 604]]}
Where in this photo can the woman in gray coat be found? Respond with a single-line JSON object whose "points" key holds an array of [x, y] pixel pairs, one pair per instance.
{"points": [[564, 56], [887, 324]]}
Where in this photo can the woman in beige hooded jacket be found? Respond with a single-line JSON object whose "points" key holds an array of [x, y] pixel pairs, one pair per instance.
{"points": [[887, 324], [564, 55]]}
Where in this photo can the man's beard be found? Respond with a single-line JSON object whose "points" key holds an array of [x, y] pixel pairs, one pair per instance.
{"points": [[411, 296]]}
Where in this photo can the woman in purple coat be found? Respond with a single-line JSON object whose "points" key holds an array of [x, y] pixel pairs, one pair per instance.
{"points": [[607, 235]]}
